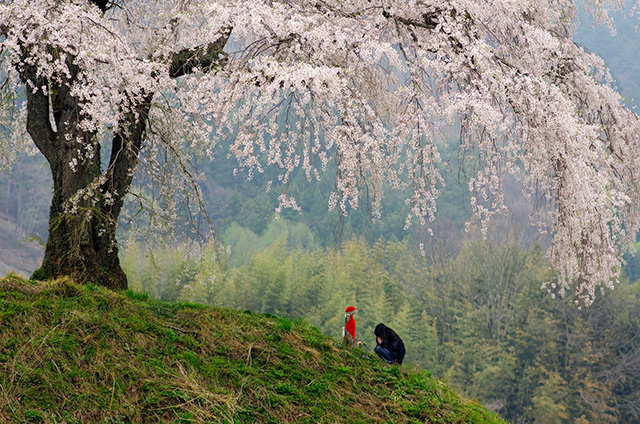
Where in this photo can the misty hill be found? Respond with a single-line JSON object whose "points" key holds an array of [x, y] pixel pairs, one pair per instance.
{"points": [[15, 253], [25, 197], [80, 354], [620, 50]]}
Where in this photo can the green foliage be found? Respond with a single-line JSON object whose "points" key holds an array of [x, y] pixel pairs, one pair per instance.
{"points": [[135, 295], [39, 275], [242, 241], [549, 401], [73, 355]]}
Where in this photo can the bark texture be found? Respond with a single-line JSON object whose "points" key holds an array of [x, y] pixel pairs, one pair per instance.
{"points": [[86, 200]]}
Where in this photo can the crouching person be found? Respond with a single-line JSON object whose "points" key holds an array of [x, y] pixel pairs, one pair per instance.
{"points": [[389, 345]]}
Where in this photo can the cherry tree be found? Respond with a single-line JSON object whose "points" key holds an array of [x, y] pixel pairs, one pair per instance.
{"points": [[294, 84]]}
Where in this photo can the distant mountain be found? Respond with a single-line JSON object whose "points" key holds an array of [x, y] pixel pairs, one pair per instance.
{"points": [[25, 196], [16, 254]]}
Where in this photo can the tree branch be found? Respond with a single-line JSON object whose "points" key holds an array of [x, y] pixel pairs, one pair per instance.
{"points": [[102, 4], [210, 57], [126, 146], [38, 124], [429, 20]]}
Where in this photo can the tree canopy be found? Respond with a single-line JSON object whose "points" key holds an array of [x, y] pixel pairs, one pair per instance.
{"points": [[294, 84]]}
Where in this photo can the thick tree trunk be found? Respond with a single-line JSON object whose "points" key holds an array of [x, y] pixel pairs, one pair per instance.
{"points": [[81, 245], [86, 200]]}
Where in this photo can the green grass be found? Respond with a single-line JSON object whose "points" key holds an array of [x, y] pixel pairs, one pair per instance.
{"points": [[80, 354]]}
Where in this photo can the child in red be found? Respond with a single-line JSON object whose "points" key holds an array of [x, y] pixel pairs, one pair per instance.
{"points": [[349, 329]]}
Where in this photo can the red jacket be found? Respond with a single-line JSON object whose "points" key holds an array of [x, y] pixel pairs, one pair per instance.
{"points": [[350, 327]]}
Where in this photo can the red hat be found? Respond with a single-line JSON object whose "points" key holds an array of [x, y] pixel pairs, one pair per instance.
{"points": [[350, 309]]}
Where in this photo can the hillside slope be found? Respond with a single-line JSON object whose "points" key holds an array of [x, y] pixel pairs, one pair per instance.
{"points": [[17, 255], [83, 354]]}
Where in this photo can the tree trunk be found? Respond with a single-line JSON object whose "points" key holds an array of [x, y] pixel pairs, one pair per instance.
{"points": [[81, 243], [86, 200]]}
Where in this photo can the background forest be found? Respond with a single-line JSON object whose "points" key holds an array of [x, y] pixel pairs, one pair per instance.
{"points": [[470, 310]]}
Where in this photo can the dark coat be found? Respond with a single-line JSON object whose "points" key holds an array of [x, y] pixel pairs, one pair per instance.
{"points": [[390, 341]]}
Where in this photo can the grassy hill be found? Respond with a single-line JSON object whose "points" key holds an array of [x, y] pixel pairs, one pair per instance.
{"points": [[83, 354]]}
